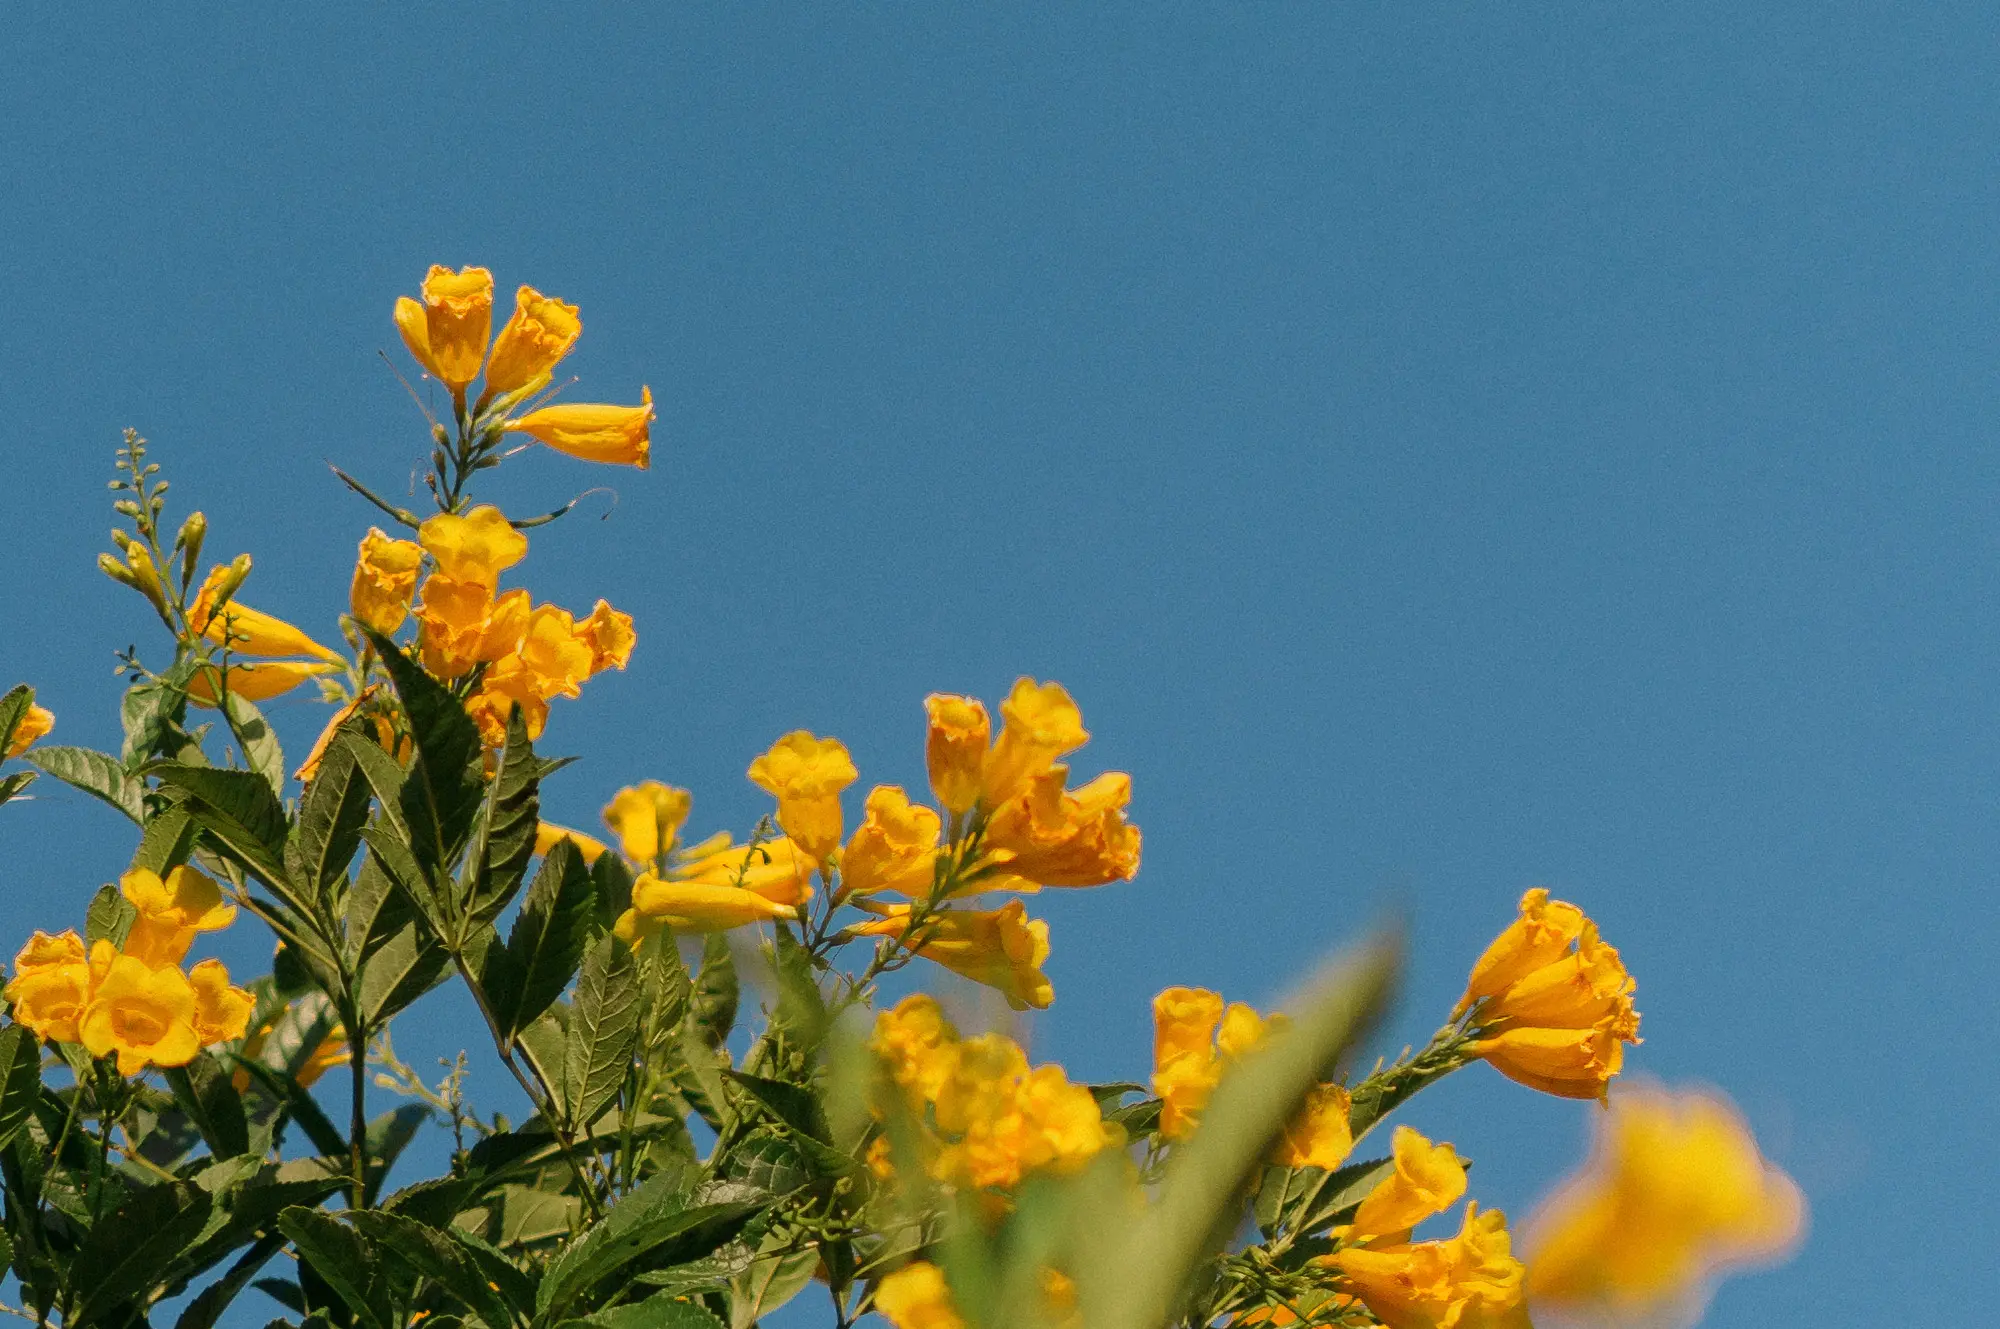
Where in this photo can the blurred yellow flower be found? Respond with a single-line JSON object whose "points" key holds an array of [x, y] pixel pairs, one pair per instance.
{"points": [[144, 1014], [915, 1297], [917, 1045], [806, 774], [894, 849], [531, 343], [1001, 948], [1428, 1179], [775, 869], [1319, 1136], [171, 912], [33, 726], [618, 435], [447, 332], [1195, 1037], [51, 986], [1675, 1193], [385, 577], [1470, 1281], [647, 818]]}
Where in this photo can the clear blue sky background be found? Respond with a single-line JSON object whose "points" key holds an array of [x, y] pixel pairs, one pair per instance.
{"points": [[1444, 449]]}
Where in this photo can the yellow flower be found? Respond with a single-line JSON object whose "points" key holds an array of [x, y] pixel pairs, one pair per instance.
{"points": [[619, 435], [221, 1012], [775, 869], [1054, 837], [1675, 1193], [247, 631], [532, 342], [1039, 723], [647, 817], [255, 682], [1185, 1070], [955, 749], [143, 1014], [1553, 1003], [462, 624], [548, 835], [310, 766], [1319, 1135], [476, 547], [688, 906], [610, 637], [330, 1055], [447, 332], [555, 658], [1428, 1179], [51, 986], [917, 1045], [806, 774], [895, 848], [33, 726], [915, 1297], [385, 577], [1471, 1281], [1001, 948], [171, 913]]}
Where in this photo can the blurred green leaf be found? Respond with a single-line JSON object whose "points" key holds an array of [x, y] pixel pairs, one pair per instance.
{"points": [[716, 991]]}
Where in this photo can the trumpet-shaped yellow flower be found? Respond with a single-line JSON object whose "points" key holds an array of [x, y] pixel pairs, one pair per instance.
{"points": [[1319, 1136], [1001, 948], [331, 1054], [1185, 1068], [247, 631], [531, 343], [51, 986], [385, 577], [1553, 1002], [259, 681], [347, 711], [775, 869], [1675, 1193], [806, 774], [447, 332], [1470, 1281], [221, 1011], [548, 835], [618, 435], [146, 1015], [610, 637], [955, 750], [462, 623], [689, 906], [647, 818], [171, 912], [917, 1045], [1428, 1179], [1051, 836], [475, 547], [915, 1297], [33, 726], [894, 850], [1039, 723]]}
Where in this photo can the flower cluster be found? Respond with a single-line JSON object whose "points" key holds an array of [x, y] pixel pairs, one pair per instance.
{"points": [[1196, 1038], [134, 1000]]}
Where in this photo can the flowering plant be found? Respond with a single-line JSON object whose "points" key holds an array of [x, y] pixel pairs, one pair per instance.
{"points": [[677, 1164]]}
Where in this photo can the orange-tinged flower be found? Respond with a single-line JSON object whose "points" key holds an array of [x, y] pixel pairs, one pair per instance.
{"points": [[462, 624], [917, 1045], [260, 681], [1552, 1002], [310, 766], [1319, 1135], [475, 547], [331, 1054], [1057, 837], [806, 774], [221, 1011], [955, 749], [1194, 1039], [1428, 1179], [385, 577], [619, 435], [171, 913], [555, 657], [146, 1015], [247, 631], [915, 1297], [447, 332], [499, 691], [33, 726], [647, 818], [51, 986], [1002, 1120], [532, 342], [895, 848], [689, 906], [1675, 1193], [1001, 948], [548, 835], [775, 869], [1470, 1281], [610, 637], [1039, 723]]}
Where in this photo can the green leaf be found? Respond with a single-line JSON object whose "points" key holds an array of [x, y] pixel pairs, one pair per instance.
{"points": [[375, 911], [429, 1253], [259, 743], [398, 862], [390, 1134], [167, 840], [603, 1031], [341, 1259], [1345, 1188], [770, 1162], [546, 943], [794, 1105], [207, 1307], [20, 1082], [400, 970], [505, 840], [109, 918], [716, 992], [205, 1092], [130, 1252], [613, 883], [801, 1014], [12, 785], [96, 773], [13, 706], [153, 713], [768, 1284], [238, 811], [665, 1311], [332, 812], [608, 1256], [443, 787]]}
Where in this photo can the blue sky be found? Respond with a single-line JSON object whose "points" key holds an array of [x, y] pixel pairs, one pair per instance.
{"points": [[1444, 449]]}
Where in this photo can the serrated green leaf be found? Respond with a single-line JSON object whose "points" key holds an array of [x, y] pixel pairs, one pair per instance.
{"points": [[443, 787], [337, 1254], [259, 742], [12, 785], [505, 839], [770, 1162], [716, 992], [109, 918], [431, 1254], [208, 1306], [610, 1255], [167, 840], [402, 969], [613, 882], [239, 813], [20, 1082], [205, 1092], [546, 943], [332, 811], [603, 1031], [665, 1311], [375, 912], [768, 1284], [96, 773], [794, 1105], [801, 1013], [13, 706], [129, 1252], [1343, 1189], [153, 713]]}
